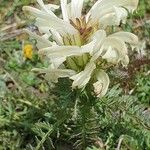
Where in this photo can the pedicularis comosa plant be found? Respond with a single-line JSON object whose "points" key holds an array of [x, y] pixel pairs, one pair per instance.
{"points": [[81, 47]]}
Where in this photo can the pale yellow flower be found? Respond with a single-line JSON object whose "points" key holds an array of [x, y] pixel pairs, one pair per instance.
{"points": [[80, 44]]}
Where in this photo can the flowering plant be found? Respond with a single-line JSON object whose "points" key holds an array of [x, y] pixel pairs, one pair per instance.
{"points": [[81, 48]]}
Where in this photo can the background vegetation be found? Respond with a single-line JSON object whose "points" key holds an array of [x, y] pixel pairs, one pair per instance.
{"points": [[37, 115]]}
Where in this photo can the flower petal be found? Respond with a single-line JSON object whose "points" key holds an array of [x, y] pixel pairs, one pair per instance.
{"points": [[66, 51], [64, 10], [116, 44], [46, 20], [125, 61], [126, 37], [56, 36], [54, 74], [59, 51], [82, 78], [114, 17], [107, 7], [99, 37], [40, 2], [44, 30], [76, 8], [57, 61], [113, 47], [111, 56], [52, 7], [121, 14], [101, 86], [41, 41]]}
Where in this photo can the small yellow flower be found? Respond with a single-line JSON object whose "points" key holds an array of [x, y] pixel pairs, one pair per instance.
{"points": [[28, 51]]}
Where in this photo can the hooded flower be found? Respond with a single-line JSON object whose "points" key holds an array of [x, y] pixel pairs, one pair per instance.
{"points": [[80, 45]]}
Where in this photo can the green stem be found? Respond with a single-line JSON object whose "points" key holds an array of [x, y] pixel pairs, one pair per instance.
{"points": [[85, 105], [84, 129]]}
